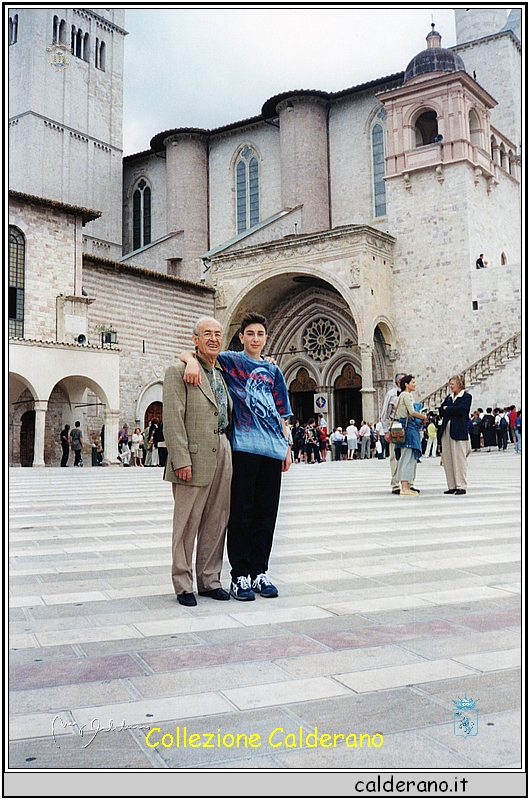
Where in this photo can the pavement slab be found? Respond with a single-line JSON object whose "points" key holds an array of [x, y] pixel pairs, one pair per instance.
{"points": [[378, 629]]}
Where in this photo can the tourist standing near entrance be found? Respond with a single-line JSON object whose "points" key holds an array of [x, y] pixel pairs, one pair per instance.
{"points": [[76, 442], [389, 409], [65, 444], [260, 453]]}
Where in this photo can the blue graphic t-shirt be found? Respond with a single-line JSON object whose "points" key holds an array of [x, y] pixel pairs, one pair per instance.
{"points": [[259, 394]]}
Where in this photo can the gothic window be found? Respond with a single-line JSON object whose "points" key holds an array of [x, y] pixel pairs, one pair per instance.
{"points": [[141, 215], [100, 55], [17, 257], [378, 164], [13, 29], [86, 47], [426, 128], [247, 189], [504, 260]]}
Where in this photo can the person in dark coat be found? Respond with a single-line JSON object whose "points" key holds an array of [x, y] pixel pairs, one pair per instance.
{"points": [[65, 444], [456, 448], [488, 430]]}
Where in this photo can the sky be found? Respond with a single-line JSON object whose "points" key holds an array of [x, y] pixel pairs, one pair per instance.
{"points": [[205, 67]]}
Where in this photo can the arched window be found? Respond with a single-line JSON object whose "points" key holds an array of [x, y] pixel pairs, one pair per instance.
{"points": [[475, 130], [504, 260], [55, 34], [502, 157], [141, 215], [80, 44], [62, 31], [17, 257], [13, 29], [426, 128], [378, 164], [100, 55], [247, 189]]}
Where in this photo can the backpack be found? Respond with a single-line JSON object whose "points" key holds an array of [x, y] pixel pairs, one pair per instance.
{"points": [[487, 423], [503, 424]]}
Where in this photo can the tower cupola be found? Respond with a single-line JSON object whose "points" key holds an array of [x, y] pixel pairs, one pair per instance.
{"points": [[434, 59]]}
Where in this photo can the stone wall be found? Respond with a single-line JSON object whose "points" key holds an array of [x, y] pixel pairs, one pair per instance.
{"points": [[153, 317], [496, 62], [50, 258], [441, 227]]}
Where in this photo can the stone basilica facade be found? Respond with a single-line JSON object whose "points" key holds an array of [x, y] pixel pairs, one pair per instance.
{"points": [[352, 220]]}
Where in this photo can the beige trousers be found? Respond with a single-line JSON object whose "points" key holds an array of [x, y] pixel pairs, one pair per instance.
{"points": [[394, 482], [454, 458], [201, 513]]}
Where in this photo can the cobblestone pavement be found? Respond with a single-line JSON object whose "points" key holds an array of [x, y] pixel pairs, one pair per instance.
{"points": [[390, 609]]}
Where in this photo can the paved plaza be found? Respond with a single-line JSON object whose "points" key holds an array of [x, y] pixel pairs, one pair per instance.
{"points": [[390, 609]]}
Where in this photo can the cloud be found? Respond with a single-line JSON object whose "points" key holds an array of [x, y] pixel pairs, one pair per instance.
{"points": [[208, 67]]}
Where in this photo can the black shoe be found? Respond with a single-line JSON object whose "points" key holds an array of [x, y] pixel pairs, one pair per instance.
{"points": [[215, 594], [450, 491], [396, 491], [460, 491], [187, 599]]}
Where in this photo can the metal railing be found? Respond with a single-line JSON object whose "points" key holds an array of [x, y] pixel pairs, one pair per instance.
{"points": [[480, 370]]}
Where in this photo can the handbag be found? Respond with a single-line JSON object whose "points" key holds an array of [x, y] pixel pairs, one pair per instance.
{"points": [[397, 431]]}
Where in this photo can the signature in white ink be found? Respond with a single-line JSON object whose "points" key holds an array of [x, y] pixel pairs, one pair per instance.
{"points": [[91, 728]]}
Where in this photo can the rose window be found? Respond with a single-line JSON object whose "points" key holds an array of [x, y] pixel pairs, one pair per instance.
{"points": [[321, 339]]}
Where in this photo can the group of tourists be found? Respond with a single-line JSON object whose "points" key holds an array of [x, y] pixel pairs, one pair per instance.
{"points": [[311, 442], [145, 448]]}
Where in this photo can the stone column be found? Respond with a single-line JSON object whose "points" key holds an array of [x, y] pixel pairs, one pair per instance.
{"points": [[304, 159], [40, 407], [112, 420], [187, 197], [368, 390]]}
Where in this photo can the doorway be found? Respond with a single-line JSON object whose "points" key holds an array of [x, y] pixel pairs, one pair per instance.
{"points": [[155, 411], [27, 438], [301, 396], [347, 398]]}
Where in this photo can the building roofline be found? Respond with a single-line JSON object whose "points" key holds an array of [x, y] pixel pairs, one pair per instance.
{"points": [[141, 272], [267, 112], [87, 214]]}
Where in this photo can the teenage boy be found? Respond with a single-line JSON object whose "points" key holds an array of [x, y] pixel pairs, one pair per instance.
{"points": [[260, 453]]}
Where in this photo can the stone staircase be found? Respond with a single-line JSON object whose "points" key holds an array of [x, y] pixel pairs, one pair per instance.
{"points": [[480, 370]]}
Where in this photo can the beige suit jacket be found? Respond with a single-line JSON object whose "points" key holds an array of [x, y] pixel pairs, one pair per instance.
{"points": [[190, 426]]}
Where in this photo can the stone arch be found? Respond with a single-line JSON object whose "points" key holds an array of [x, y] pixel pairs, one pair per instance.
{"points": [[239, 149], [475, 129], [267, 294], [411, 122], [301, 393], [151, 393], [293, 368]]}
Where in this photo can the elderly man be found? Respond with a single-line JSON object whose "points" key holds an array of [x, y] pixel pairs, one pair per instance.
{"points": [[387, 414], [199, 466]]}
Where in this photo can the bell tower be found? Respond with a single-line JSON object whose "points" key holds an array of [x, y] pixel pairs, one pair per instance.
{"points": [[66, 113], [452, 193]]}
